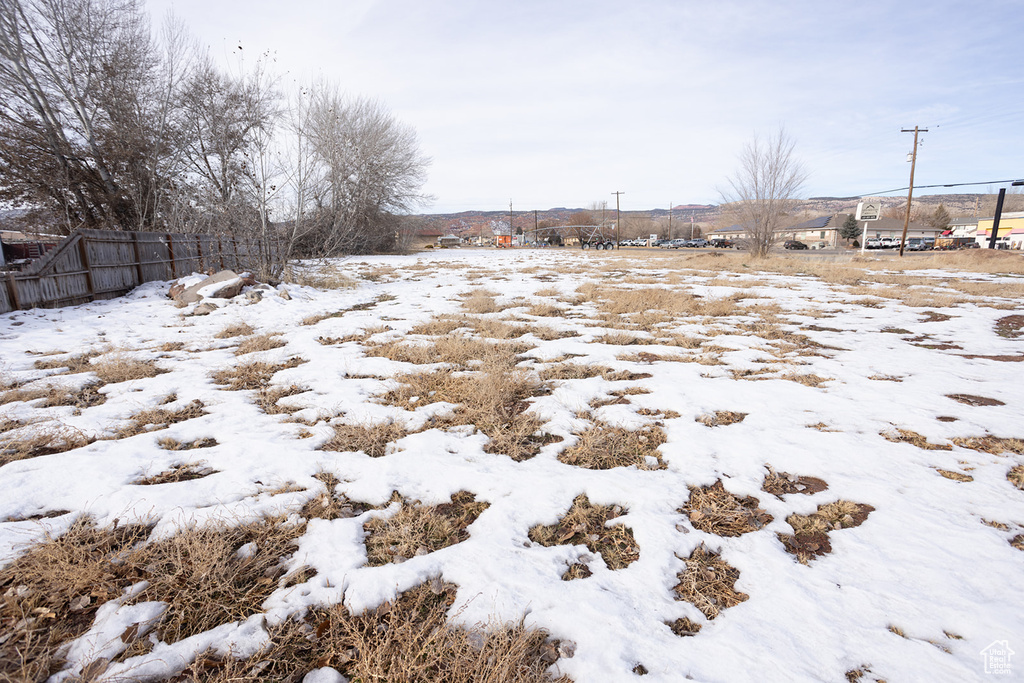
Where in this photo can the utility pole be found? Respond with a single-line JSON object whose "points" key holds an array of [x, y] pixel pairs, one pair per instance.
{"points": [[617, 217], [670, 220], [536, 229], [910, 191], [510, 224]]}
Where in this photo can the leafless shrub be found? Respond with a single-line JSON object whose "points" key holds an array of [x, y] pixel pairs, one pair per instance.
{"points": [[587, 524], [708, 582], [714, 510], [417, 529], [604, 447]]}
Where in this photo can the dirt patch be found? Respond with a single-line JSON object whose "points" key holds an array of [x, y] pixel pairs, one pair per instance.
{"points": [[899, 435], [1010, 327], [177, 473], [720, 418], [714, 510], [1000, 359], [419, 529], [587, 524], [934, 317], [684, 627], [371, 439], [971, 400], [780, 483], [708, 582], [604, 447], [810, 539]]}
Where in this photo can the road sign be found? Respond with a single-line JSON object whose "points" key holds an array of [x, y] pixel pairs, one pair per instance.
{"points": [[869, 210]]}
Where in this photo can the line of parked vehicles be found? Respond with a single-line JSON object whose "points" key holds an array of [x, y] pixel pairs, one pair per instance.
{"points": [[913, 243]]}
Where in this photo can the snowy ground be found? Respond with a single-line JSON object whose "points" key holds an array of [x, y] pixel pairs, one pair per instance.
{"points": [[914, 593]]}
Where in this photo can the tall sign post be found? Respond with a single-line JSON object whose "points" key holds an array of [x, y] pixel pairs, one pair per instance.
{"points": [[868, 210]]}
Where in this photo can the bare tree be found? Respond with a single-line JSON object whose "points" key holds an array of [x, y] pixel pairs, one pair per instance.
{"points": [[765, 188]]}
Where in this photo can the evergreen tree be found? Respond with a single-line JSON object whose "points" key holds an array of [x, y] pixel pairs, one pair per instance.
{"points": [[850, 229]]}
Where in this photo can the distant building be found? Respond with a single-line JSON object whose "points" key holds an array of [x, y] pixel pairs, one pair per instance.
{"points": [[449, 241], [823, 232], [1011, 231]]}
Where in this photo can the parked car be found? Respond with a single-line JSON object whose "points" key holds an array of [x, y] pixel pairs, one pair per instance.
{"points": [[698, 242], [890, 242], [873, 243], [673, 244], [917, 244], [793, 244], [721, 243]]}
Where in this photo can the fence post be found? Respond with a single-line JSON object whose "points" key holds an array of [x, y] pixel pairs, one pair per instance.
{"points": [[170, 252], [12, 288], [199, 253], [83, 253], [220, 250], [138, 256]]}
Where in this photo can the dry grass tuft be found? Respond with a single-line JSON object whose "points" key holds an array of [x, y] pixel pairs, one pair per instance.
{"points": [[459, 351], [324, 278], [991, 444], [1016, 476], [114, 369], [708, 582], [372, 439], [405, 641], [587, 524], [418, 529], [714, 510], [170, 444], [955, 476], [177, 473], [684, 627], [260, 342], [811, 537], [913, 438], [159, 418], [252, 375], [329, 504], [241, 329], [720, 418], [971, 400], [546, 310], [267, 399], [74, 364], [603, 447], [481, 301], [573, 371], [52, 592], [44, 439], [809, 380], [85, 397], [780, 483]]}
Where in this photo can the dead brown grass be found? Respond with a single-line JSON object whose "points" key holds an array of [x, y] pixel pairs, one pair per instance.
{"points": [[52, 592], [481, 301], [252, 375], [329, 504], [1016, 476], [811, 531], [546, 310], [177, 473], [118, 368], [371, 439], [714, 510], [84, 397], [418, 529], [74, 364], [159, 418], [260, 342], [241, 329], [45, 438], [456, 350], [408, 640], [604, 447], [955, 476], [780, 483], [268, 399], [900, 435], [721, 418], [708, 582], [323, 278], [587, 524], [990, 444], [170, 444]]}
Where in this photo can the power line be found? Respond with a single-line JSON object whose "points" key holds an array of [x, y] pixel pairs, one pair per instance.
{"points": [[923, 187]]}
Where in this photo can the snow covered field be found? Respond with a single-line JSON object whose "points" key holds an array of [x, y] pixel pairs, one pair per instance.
{"points": [[899, 391]]}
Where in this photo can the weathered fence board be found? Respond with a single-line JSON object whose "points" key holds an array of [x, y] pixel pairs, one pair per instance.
{"points": [[99, 264]]}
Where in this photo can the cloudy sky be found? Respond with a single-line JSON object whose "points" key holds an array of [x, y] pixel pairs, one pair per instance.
{"points": [[560, 103]]}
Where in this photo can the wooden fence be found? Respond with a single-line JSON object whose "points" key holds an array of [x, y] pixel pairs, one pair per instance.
{"points": [[102, 264]]}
